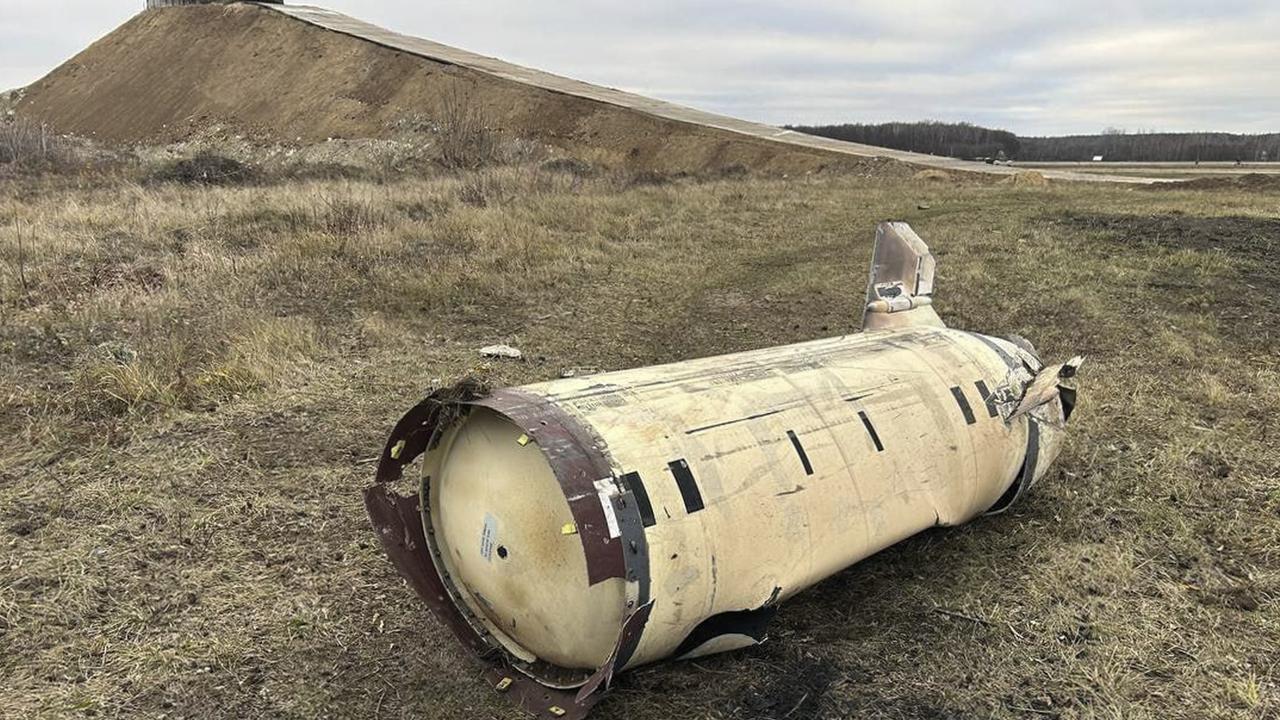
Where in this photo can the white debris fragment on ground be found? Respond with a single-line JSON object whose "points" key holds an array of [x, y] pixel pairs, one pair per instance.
{"points": [[501, 351]]}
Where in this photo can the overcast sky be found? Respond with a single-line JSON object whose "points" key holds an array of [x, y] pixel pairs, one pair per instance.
{"points": [[1031, 66]]}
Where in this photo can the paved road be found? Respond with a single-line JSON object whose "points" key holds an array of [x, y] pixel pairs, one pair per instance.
{"points": [[346, 25]]}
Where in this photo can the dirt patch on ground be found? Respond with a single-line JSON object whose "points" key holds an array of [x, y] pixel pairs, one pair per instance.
{"points": [[1249, 181], [1252, 239], [1251, 284], [170, 74]]}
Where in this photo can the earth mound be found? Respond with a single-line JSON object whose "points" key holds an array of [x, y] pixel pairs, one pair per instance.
{"points": [[1248, 181], [932, 174], [1026, 178], [171, 74]]}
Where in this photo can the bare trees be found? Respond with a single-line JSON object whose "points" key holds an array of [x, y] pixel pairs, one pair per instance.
{"points": [[964, 140]]}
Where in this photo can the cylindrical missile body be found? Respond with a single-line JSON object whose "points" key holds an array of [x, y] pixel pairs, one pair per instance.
{"points": [[708, 490]]}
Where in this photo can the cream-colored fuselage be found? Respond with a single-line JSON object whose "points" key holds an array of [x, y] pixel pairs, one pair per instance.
{"points": [[759, 474]]}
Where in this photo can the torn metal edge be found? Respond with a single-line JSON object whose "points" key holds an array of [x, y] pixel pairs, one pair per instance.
{"points": [[751, 623], [413, 433], [578, 461], [397, 521]]}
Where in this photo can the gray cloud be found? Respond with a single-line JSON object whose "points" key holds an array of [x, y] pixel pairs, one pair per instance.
{"points": [[1038, 66]]}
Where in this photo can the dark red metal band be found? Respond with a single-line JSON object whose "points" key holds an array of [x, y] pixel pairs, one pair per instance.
{"points": [[578, 460], [397, 520]]}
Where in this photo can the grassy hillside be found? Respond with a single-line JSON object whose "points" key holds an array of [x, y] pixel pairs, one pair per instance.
{"points": [[197, 379]]}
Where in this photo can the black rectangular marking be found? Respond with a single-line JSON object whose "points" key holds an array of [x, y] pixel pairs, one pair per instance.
{"points": [[963, 402], [804, 457], [631, 481], [987, 398], [688, 486], [871, 430]]}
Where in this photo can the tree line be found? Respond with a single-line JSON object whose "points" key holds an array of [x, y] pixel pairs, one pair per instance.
{"points": [[963, 140], [968, 141]]}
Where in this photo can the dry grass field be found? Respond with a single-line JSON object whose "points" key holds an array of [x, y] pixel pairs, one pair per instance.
{"points": [[195, 380]]}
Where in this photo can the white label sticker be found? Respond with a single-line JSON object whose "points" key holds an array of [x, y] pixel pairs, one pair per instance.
{"points": [[488, 536], [607, 490]]}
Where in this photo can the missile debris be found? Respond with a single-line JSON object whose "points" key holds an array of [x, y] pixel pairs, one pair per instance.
{"points": [[569, 530]]}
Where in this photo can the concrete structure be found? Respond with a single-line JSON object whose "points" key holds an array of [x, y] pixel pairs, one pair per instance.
{"points": [[572, 529]]}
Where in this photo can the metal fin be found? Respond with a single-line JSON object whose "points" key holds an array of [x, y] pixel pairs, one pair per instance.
{"points": [[900, 289]]}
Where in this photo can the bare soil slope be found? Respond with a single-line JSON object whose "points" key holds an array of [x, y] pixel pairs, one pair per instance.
{"points": [[171, 73]]}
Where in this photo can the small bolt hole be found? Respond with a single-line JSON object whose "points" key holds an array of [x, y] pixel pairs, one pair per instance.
{"points": [[502, 551]]}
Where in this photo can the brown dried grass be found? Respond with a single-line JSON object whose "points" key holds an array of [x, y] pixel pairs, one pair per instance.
{"points": [[195, 380]]}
